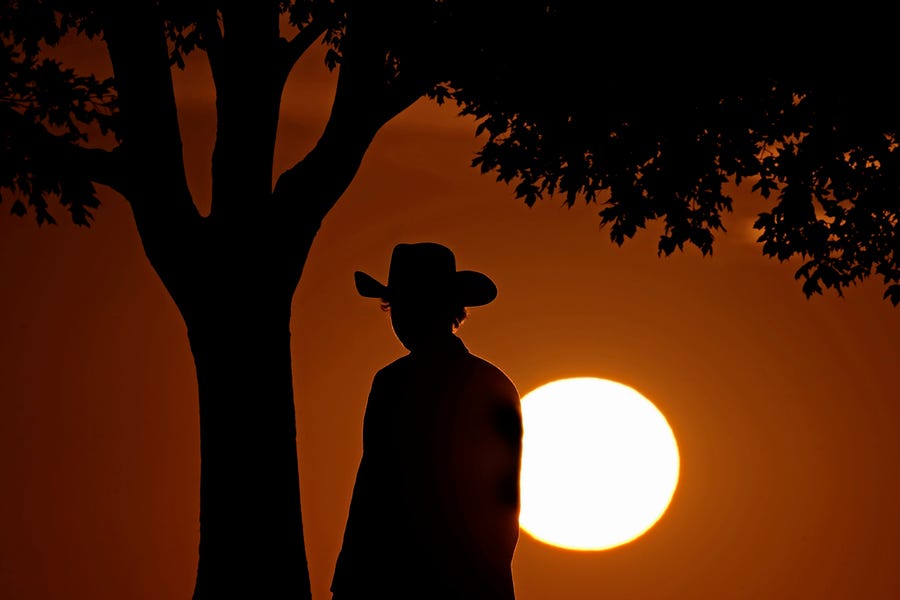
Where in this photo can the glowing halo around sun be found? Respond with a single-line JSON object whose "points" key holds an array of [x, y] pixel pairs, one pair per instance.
{"points": [[599, 464]]}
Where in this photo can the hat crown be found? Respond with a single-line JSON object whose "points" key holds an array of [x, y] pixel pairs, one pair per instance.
{"points": [[423, 268], [426, 272]]}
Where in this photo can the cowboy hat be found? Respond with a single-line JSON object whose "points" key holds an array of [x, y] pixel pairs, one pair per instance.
{"points": [[427, 271]]}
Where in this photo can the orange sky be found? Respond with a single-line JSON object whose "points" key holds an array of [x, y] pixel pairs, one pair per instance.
{"points": [[785, 409]]}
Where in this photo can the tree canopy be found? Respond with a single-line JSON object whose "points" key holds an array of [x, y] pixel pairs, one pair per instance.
{"points": [[649, 115]]}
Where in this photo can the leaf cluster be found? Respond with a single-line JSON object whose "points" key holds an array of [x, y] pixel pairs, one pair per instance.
{"points": [[651, 115], [45, 105]]}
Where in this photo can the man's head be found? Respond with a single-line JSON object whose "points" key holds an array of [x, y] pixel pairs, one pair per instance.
{"points": [[416, 322], [426, 295]]}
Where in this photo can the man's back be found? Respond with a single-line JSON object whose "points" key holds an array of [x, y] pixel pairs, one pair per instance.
{"points": [[434, 512]]}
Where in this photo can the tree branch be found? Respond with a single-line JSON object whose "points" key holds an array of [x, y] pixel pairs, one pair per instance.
{"points": [[291, 50], [366, 98], [167, 219], [208, 24], [247, 98], [151, 140], [310, 188]]}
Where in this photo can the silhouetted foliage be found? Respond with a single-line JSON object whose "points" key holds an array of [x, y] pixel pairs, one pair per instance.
{"points": [[647, 112], [650, 114]]}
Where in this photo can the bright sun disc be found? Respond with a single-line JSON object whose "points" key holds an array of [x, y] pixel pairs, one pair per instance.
{"points": [[599, 464]]}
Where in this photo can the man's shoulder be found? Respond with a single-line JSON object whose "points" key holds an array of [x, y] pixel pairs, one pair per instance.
{"points": [[393, 368], [465, 365], [486, 370], [479, 362]]}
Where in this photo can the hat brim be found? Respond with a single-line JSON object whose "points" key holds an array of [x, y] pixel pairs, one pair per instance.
{"points": [[474, 288], [470, 288], [368, 286]]}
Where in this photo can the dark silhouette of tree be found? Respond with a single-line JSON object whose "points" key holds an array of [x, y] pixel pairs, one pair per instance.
{"points": [[652, 113], [647, 113]]}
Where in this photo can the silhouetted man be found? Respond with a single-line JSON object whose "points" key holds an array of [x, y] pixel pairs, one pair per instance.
{"points": [[434, 512]]}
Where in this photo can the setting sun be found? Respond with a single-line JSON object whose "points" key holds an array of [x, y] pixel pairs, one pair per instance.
{"points": [[599, 464]]}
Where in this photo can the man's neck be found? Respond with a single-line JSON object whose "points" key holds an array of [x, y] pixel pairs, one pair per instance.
{"points": [[438, 342]]}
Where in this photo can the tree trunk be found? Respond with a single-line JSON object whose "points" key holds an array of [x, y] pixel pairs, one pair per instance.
{"points": [[251, 535]]}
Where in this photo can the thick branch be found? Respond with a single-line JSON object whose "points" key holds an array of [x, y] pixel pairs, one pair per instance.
{"points": [[293, 49], [208, 24], [151, 150], [366, 98], [151, 140], [309, 189], [248, 93]]}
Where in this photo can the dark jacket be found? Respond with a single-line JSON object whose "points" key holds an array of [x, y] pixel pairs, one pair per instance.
{"points": [[434, 512]]}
